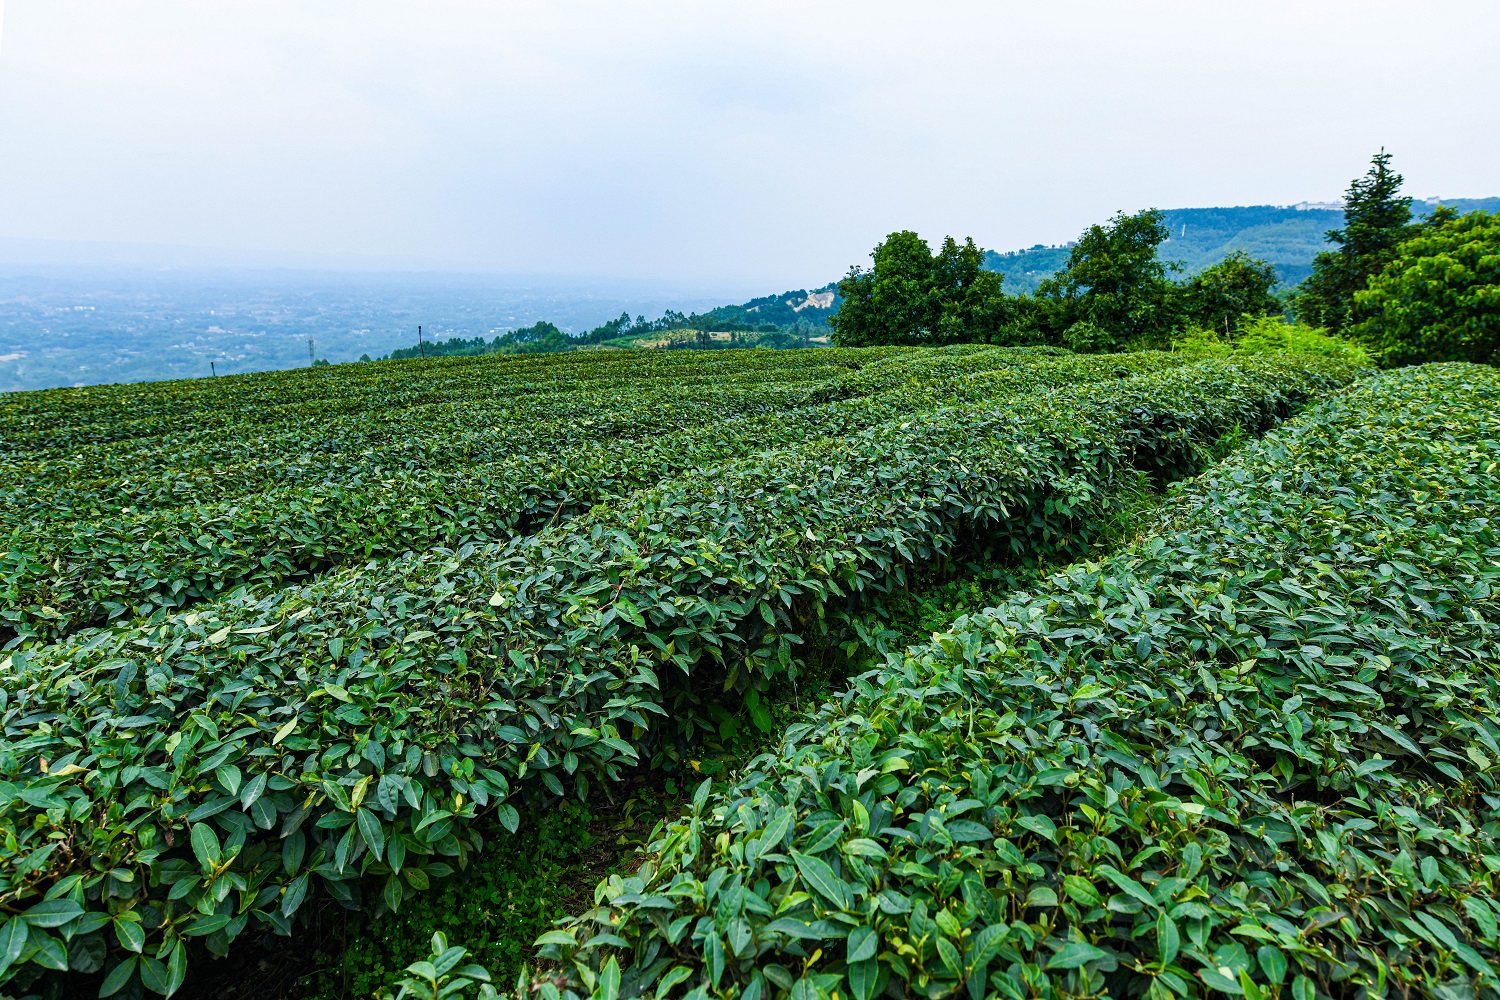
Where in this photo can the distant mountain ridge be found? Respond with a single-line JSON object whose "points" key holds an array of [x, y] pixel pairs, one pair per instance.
{"points": [[1286, 236]]}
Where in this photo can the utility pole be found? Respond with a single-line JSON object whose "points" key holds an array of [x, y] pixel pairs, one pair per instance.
{"points": [[421, 347], [309, 352], [212, 371]]}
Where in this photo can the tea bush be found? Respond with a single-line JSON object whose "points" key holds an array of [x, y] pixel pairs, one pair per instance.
{"points": [[1254, 756], [508, 895], [91, 542], [176, 778]]}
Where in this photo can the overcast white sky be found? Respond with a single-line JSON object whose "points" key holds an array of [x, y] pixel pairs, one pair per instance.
{"points": [[738, 142]]}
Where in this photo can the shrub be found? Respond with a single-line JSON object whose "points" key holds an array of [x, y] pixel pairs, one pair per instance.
{"points": [[1256, 755], [176, 778], [1223, 296], [508, 895], [535, 459], [1271, 335]]}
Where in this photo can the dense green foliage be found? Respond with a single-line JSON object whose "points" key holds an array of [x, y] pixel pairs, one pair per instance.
{"points": [[440, 977], [1376, 220], [510, 893], [1253, 756], [1221, 296], [912, 296], [1112, 293], [1270, 335], [172, 779], [1114, 290], [102, 527], [1439, 298]]}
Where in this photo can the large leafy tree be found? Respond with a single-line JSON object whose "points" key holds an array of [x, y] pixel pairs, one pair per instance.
{"points": [[1219, 297], [1376, 220], [1439, 299], [1114, 290], [912, 296]]}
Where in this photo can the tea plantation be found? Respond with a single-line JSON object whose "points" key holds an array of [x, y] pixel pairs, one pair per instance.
{"points": [[358, 638]]}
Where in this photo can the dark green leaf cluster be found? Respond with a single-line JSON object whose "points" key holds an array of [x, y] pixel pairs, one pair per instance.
{"points": [[509, 893], [265, 497], [1439, 299], [185, 775], [913, 296], [1219, 298], [1254, 756], [1113, 293], [1114, 290], [1376, 220], [439, 976]]}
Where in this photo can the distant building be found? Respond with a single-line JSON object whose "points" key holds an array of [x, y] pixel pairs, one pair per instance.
{"points": [[1319, 206]]}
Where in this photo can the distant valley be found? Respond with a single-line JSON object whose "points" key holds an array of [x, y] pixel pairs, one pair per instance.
{"points": [[72, 326]]}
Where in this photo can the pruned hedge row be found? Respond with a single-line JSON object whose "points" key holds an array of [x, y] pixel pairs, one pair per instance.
{"points": [[476, 423], [1256, 755], [178, 778], [164, 420], [399, 419], [558, 455]]}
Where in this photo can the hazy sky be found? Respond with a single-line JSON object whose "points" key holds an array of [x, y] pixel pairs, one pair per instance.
{"points": [[744, 143]]}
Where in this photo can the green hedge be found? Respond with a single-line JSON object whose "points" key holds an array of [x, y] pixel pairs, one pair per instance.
{"points": [[161, 421], [1257, 756], [225, 441], [509, 894], [189, 519], [180, 777], [543, 457]]}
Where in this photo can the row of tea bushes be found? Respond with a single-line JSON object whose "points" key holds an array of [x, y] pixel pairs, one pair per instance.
{"points": [[175, 779], [556, 462], [1254, 756], [364, 421]]}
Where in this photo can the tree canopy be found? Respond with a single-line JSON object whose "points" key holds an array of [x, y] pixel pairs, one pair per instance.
{"points": [[1114, 289], [1376, 220], [1114, 292], [1439, 297], [1219, 297], [912, 296]]}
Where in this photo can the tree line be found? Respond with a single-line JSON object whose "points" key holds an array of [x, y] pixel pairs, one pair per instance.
{"points": [[1408, 291], [545, 338]]}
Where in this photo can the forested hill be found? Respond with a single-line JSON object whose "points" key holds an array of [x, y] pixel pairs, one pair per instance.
{"points": [[792, 319], [1287, 237], [778, 310]]}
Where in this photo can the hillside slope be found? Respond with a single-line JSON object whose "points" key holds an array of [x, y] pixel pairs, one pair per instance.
{"points": [[1288, 237]]}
